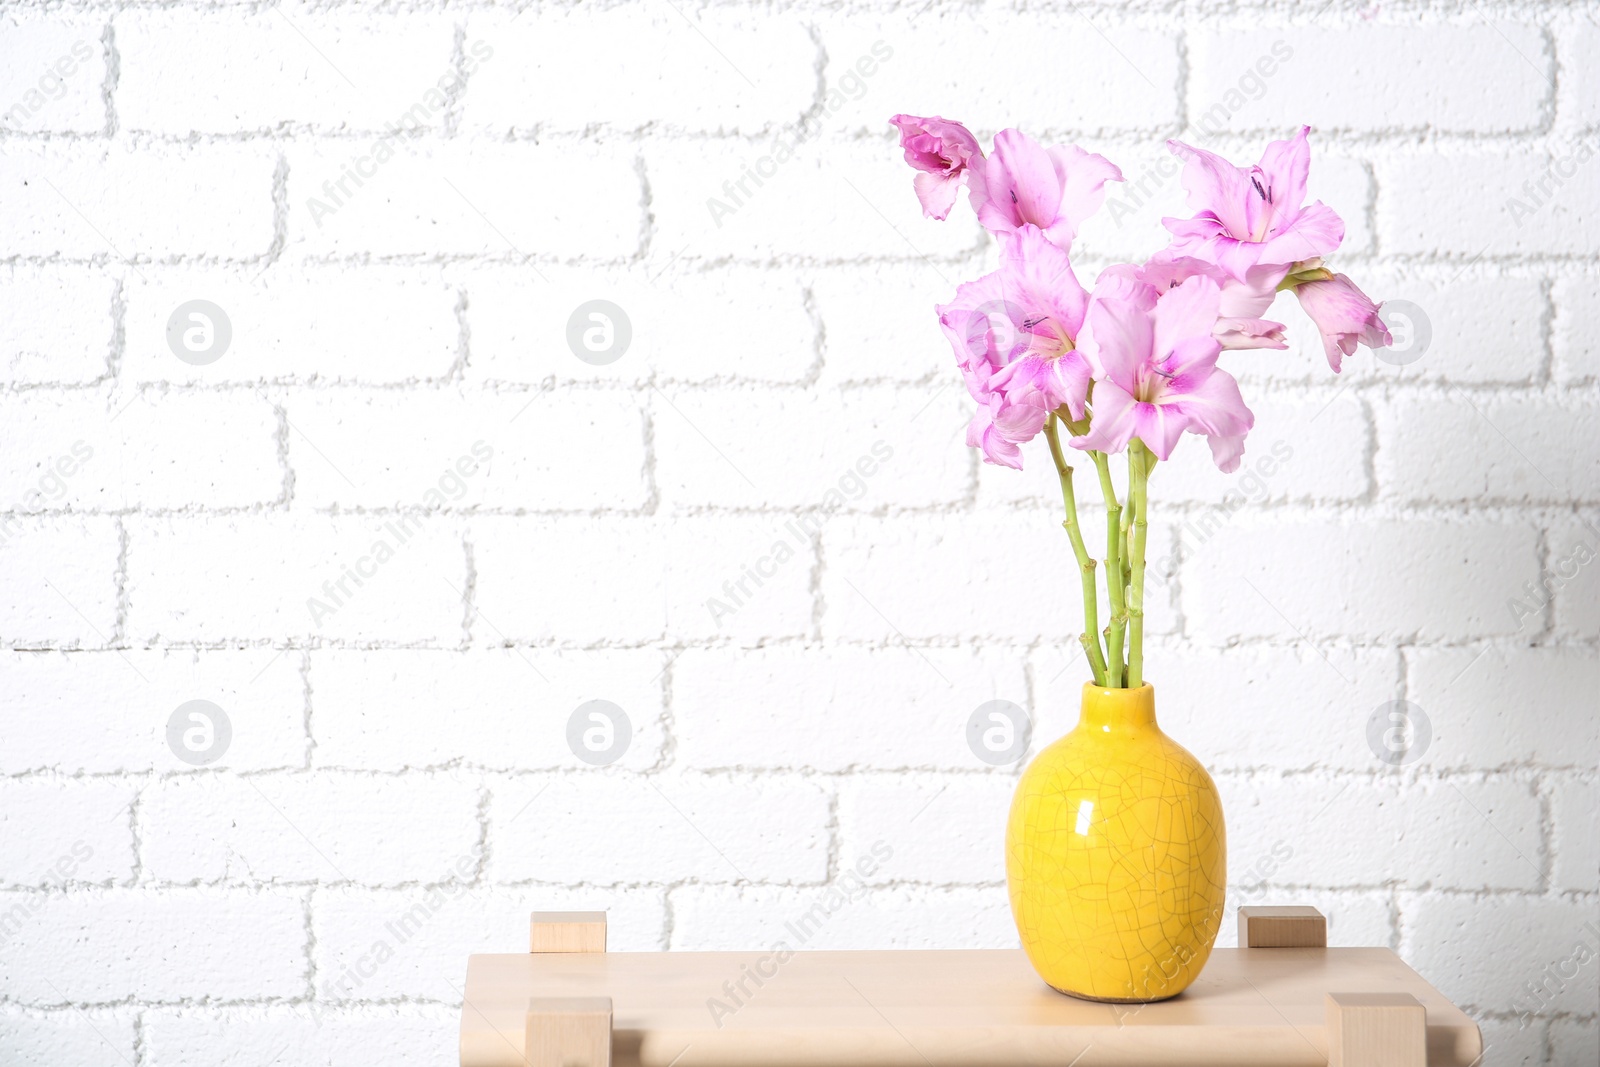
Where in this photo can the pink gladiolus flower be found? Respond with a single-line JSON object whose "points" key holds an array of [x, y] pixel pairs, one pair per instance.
{"points": [[1253, 218], [1344, 316], [1023, 183], [1014, 333], [1239, 324], [1157, 374], [942, 150]]}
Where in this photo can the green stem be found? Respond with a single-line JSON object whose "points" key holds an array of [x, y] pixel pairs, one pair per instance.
{"points": [[1114, 584], [1139, 463], [1090, 638]]}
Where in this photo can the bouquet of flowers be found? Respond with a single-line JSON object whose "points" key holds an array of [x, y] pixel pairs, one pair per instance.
{"points": [[1130, 366]]}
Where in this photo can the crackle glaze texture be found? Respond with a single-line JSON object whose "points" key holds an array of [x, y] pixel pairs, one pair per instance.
{"points": [[1116, 855]]}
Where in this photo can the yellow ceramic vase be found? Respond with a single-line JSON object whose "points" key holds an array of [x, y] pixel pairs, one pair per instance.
{"points": [[1116, 857]]}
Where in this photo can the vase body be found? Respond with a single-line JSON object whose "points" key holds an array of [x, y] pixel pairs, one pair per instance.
{"points": [[1116, 857]]}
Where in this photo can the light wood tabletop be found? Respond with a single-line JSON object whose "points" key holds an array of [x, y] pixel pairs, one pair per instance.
{"points": [[957, 1008]]}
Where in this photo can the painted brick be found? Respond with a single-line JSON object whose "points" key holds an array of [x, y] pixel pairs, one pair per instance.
{"points": [[60, 832], [298, 828], [1298, 450], [727, 918], [404, 1035], [1580, 84], [1576, 331], [881, 325], [115, 706], [429, 932], [1432, 578], [55, 73], [533, 587], [1478, 703], [876, 584], [1466, 946], [1575, 808], [456, 198], [958, 64], [1526, 203], [501, 708], [89, 452], [282, 69], [1513, 1043], [281, 575], [1529, 454], [702, 70], [316, 324], [858, 198], [656, 578], [63, 590], [688, 327], [1244, 707], [82, 199], [561, 451], [1571, 580], [110, 945], [1357, 832], [603, 830], [57, 326], [1574, 1042], [940, 829], [1483, 78], [749, 448], [835, 709], [66, 1036]]}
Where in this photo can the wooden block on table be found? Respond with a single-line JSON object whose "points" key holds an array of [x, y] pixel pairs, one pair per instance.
{"points": [[568, 1032], [1376, 1030], [567, 931], [1288, 927]]}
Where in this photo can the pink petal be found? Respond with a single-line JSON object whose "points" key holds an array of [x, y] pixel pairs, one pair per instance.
{"points": [[982, 434], [937, 193], [1315, 231], [1186, 311], [1215, 406], [1082, 177], [1286, 165], [1249, 333], [1020, 184], [1226, 451], [1112, 427], [1215, 185], [1116, 340], [1159, 426]]}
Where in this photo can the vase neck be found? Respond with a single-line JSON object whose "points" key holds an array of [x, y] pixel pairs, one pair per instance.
{"points": [[1117, 709]]}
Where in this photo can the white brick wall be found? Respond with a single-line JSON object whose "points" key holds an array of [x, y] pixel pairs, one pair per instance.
{"points": [[399, 209]]}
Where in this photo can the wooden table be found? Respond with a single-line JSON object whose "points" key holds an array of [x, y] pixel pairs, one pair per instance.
{"points": [[571, 1004]]}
